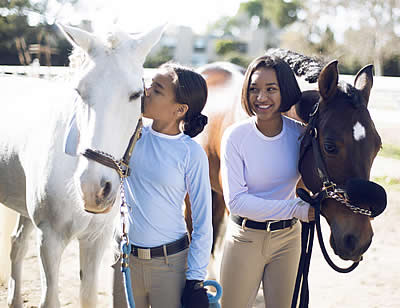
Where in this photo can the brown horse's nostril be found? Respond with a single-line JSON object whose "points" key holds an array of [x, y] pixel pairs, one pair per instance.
{"points": [[350, 242]]}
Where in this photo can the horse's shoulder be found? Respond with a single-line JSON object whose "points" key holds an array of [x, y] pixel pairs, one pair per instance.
{"points": [[218, 73]]}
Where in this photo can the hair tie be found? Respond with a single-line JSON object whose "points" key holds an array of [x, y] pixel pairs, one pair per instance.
{"points": [[201, 119]]}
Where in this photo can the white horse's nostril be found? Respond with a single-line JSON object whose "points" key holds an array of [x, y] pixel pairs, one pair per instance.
{"points": [[105, 189]]}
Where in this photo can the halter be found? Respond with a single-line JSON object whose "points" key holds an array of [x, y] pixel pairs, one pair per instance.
{"points": [[329, 189], [123, 170]]}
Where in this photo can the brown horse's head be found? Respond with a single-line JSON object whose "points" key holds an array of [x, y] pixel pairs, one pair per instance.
{"points": [[348, 143]]}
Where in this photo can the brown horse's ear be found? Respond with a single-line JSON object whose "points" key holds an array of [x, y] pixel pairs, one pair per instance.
{"points": [[328, 80], [364, 81], [305, 104]]}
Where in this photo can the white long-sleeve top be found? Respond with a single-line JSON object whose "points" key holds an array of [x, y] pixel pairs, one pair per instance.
{"points": [[259, 173], [164, 169]]}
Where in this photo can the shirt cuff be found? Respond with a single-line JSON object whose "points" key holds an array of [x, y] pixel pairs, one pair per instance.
{"points": [[302, 209]]}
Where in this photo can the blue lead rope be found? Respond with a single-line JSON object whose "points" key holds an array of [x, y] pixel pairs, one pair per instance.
{"points": [[126, 249], [213, 299]]}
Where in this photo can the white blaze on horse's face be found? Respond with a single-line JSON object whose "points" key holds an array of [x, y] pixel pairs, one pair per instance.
{"points": [[109, 107], [358, 131]]}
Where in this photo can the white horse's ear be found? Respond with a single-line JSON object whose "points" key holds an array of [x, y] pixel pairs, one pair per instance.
{"points": [[143, 43], [71, 138], [78, 37]]}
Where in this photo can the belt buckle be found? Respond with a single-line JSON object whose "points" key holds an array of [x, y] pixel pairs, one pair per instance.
{"points": [[244, 224], [269, 223], [144, 253]]}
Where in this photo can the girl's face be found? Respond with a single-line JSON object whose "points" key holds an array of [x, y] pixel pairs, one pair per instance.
{"points": [[160, 102], [264, 93]]}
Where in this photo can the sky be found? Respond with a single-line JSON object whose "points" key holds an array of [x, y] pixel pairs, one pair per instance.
{"points": [[138, 16]]}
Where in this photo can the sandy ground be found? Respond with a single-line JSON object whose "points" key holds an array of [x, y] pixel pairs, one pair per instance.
{"points": [[375, 283]]}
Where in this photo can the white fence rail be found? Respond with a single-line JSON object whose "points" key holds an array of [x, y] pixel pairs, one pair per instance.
{"points": [[385, 92], [47, 72]]}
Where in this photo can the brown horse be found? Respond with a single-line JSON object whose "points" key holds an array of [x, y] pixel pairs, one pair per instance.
{"points": [[347, 138]]}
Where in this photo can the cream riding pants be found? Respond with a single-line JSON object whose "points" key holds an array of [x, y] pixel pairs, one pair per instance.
{"points": [[253, 256], [156, 283]]}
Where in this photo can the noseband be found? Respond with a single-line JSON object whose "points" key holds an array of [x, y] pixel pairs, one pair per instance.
{"points": [[121, 165]]}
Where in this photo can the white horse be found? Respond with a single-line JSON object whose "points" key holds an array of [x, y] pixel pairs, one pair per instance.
{"points": [[50, 189]]}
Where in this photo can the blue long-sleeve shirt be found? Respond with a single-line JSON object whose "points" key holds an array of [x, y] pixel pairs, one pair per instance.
{"points": [[164, 169]]}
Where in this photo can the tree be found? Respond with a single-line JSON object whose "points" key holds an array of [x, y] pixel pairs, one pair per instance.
{"points": [[281, 12], [255, 8], [162, 56], [377, 21], [14, 24]]}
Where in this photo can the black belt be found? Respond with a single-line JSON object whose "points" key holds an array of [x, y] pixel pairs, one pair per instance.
{"points": [[266, 225], [170, 249]]}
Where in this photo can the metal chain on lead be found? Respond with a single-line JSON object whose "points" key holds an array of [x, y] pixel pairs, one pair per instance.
{"points": [[344, 201], [124, 207], [118, 163]]}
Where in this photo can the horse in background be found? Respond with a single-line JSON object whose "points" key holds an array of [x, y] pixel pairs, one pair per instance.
{"points": [[46, 187], [347, 148]]}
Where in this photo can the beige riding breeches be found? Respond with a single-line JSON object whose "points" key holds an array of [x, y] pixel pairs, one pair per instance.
{"points": [[253, 256]]}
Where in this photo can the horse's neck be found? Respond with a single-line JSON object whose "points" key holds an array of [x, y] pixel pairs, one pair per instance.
{"points": [[34, 117]]}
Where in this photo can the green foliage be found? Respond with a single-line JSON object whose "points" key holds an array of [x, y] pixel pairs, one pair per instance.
{"points": [[222, 47], [14, 24], [281, 12], [254, 8], [391, 67], [390, 150], [388, 182], [162, 56], [237, 58]]}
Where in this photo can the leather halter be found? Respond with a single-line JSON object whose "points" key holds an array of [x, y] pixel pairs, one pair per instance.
{"points": [[122, 168], [329, 189], [122, 165]]}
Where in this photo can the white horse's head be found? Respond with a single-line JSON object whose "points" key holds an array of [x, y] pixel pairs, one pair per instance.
{"points": [[108, 107]]}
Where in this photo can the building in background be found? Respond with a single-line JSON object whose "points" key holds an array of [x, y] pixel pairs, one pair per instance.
{"points": [[189, 48]]}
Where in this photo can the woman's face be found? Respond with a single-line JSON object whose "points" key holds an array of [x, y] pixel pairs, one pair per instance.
{"points": [[264, 93], [160, 102]]}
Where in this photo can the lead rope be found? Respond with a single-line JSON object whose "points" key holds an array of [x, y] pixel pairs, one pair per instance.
{"points": [[307, 238], [126, 247]]}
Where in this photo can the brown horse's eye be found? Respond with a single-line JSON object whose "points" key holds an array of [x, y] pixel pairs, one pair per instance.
{"points": [[330, 148]]}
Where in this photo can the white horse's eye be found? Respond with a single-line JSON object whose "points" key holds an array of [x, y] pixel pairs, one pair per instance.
{"points": [[135, 95]]}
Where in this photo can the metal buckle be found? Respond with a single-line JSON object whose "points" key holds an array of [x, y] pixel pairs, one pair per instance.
{"points": [[328, 185], [144, 253], [314, 110], [269, 226], [125, 170], [244, 224]]}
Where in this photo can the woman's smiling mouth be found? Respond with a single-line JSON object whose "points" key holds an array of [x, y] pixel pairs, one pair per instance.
{"points": [[263, 106]]}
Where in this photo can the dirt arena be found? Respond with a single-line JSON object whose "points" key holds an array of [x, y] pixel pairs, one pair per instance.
{"points": [[374, 284]]}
